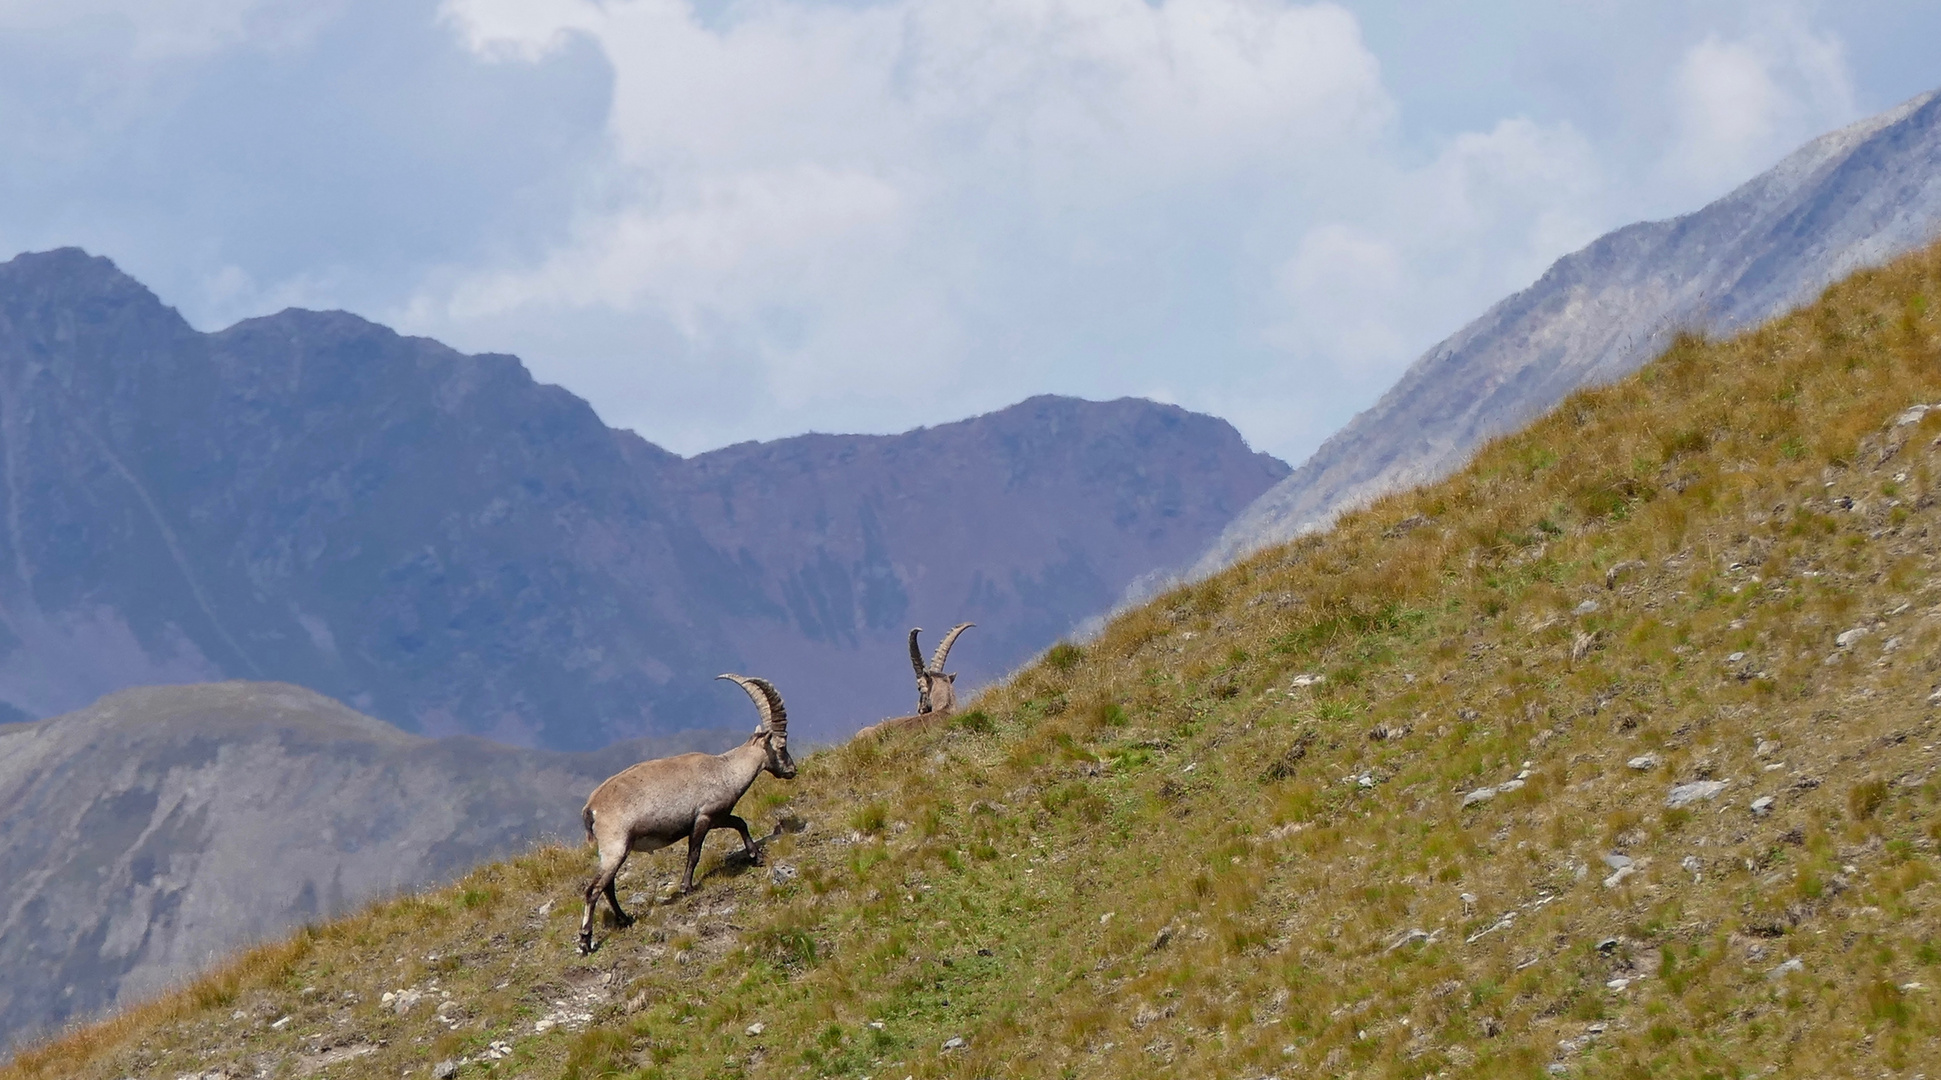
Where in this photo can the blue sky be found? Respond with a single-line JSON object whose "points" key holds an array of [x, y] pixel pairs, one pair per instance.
{"points": [[724, 221]]}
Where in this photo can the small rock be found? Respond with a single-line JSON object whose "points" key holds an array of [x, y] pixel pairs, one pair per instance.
{"points": [[1762, 806], [544, 909], [955, 1042], [1691, 864], [1616, 861], [444, 1070], [1618, 984], [1644, 762], [1508, 786], [1366, 780], [1617, 876], [756, 1028], [1480, 795], [1588, 607], [782, 873], [1766, 748], [1300, 681], [1848, 637], [1696, 791], [1912, 415], [1787, 968], [1608, 945], [279, 1025]]}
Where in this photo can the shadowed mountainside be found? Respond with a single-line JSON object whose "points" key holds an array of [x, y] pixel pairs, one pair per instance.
{"points": [[161, 827], [1853, 198], [441, 542]]}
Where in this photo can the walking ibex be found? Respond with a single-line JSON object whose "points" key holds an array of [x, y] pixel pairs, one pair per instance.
{"points": [[652, 804]]}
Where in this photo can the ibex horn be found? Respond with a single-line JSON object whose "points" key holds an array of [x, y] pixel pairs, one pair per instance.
{"points": [[943, 650], [762, 695]]}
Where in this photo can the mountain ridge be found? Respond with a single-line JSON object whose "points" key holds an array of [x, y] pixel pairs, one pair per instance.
{"points": [[441, 541], [1848, 199]]}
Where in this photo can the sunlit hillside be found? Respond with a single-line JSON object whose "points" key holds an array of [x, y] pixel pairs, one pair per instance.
{"points": [[1613, 755]]}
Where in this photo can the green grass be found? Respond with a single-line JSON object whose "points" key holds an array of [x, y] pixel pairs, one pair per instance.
{"points": [[1154, 854]]}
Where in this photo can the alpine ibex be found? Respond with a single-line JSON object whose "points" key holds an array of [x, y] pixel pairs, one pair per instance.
{"points": [[936, 688], [936, 691], [652, 804]]}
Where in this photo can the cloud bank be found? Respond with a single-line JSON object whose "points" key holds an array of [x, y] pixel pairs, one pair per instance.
{"points": [[743, 219]]}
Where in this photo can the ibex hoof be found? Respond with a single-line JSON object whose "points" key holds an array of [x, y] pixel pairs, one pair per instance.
{"points": [[623, 921], [586, 946]]}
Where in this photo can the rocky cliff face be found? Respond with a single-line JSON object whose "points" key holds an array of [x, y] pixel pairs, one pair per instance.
{"points": [[165, 826], [441, 542], [1854, 198]]}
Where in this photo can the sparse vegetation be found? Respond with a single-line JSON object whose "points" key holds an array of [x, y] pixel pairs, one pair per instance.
{"points": [[1573, 760]]}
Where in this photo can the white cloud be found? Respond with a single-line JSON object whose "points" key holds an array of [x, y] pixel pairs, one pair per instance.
{"points": [[845, 196], [1740, 104]]}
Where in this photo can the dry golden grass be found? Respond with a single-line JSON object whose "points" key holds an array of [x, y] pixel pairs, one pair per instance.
{"points": [[1162, 853]]}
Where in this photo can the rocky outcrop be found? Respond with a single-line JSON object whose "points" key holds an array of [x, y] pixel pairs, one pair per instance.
{"points": [[1851, 199], [439, 541], [162, 827]]}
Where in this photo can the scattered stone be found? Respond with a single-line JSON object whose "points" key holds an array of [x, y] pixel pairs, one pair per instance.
{"points": [[1787, 968], [1617, 876], [1617, 861], [1411, 937], [1848, 637], [1480, 795], [1644, 762], [755, 1028], [1912, 415], [444, 1070], [1696, 791], [1607, 946], [1588, 607], [1366, 780], [782, 873], [955, 1042], [544, 909], [1311, 679], [1762, 806], [1735, 657], [279, 1025], [1766, 748], [1618, 984]]}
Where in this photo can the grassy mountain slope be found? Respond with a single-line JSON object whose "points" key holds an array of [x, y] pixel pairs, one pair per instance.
{"points": [[1170, 852]]}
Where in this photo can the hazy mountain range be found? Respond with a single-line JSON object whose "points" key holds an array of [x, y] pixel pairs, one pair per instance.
{"points": [[445, 544], [1850, 199]]}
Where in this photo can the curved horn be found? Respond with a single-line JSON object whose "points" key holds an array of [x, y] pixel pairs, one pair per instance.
{"points": [[943, 649], [778, 714], [757, 695], [916, 654]]}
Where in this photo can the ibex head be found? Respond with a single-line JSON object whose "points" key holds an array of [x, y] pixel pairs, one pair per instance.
{"points": [[773, 731], [935, 689]]}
